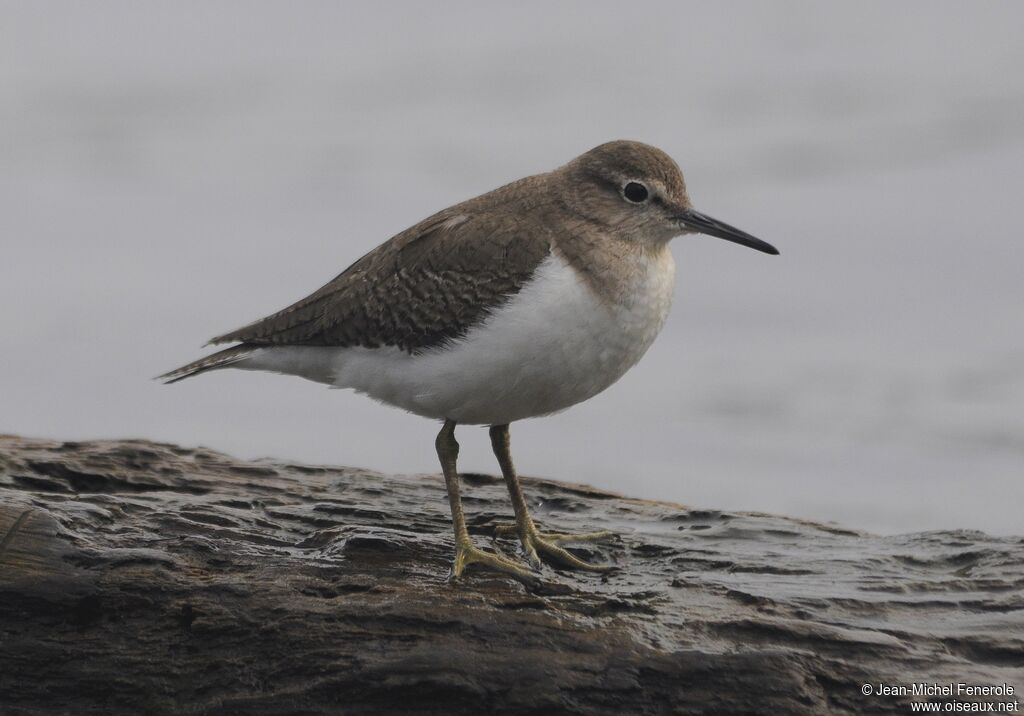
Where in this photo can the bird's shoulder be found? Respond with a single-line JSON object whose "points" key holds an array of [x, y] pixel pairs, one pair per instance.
{"points": [[423, 287]]}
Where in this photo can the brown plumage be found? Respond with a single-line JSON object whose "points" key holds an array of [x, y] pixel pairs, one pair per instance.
{"points": [[431, 283], [557, 284], [426, 286]]}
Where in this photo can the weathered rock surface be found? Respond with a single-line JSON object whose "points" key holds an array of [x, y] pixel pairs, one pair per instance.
{"points": [[138, 577]]}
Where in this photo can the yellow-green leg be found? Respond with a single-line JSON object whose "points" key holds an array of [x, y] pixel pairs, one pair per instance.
{"points": [[536, 544], [466, 552]]}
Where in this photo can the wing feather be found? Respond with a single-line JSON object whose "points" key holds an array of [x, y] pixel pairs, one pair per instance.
{"points": [[421, 289]]}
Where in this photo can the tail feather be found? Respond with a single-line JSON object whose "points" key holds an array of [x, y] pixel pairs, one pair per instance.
{"points": [[220, 359]]}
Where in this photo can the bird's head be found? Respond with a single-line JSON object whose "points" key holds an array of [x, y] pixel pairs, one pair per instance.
{"points": [[637, 192]]}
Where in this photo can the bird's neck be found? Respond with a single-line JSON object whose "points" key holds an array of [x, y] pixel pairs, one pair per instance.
{"points": [[619, 271]]}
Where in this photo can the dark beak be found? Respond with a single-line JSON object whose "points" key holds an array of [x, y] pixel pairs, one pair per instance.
{"points": [[713, 227]]}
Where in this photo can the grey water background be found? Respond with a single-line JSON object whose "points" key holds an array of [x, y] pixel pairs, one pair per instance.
{"points": [[169, 171]]}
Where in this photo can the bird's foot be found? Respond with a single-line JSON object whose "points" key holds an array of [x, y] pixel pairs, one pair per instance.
{"points": [[466, 553], [545, 545]]}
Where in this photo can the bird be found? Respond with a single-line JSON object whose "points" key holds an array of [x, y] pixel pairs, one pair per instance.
{"points": [[515, 304]]}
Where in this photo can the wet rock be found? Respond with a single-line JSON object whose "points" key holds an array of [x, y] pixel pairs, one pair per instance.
{"points": [[145, 578]]}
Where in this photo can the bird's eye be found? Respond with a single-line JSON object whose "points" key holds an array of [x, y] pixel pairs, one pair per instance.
{"points": [[635, 192]]}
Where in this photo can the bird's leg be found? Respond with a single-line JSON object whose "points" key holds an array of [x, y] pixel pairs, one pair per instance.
{"points": [[536, 544], [465, 552]]}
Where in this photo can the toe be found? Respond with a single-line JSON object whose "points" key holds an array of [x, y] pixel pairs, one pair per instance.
{"points": [[567, 559], [561, 537], [467, 554]]}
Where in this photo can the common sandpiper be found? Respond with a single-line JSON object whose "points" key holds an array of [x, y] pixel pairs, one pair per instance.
{"points": [[515, 304]]}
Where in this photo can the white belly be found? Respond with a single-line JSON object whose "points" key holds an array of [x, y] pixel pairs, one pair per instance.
{"points": [[554, 344]]}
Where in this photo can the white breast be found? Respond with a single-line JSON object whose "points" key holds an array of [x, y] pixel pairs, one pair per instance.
{"points": [[554, 344]]}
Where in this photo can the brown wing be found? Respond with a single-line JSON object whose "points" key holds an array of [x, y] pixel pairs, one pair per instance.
{"points": [[423, 288]]}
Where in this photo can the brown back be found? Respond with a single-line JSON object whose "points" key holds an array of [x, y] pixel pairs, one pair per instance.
{"points": [[424, 287]]}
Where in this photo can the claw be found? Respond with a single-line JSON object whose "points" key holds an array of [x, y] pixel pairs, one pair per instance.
{"points": [[466, 553], [563, 557], [541, 545]]}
